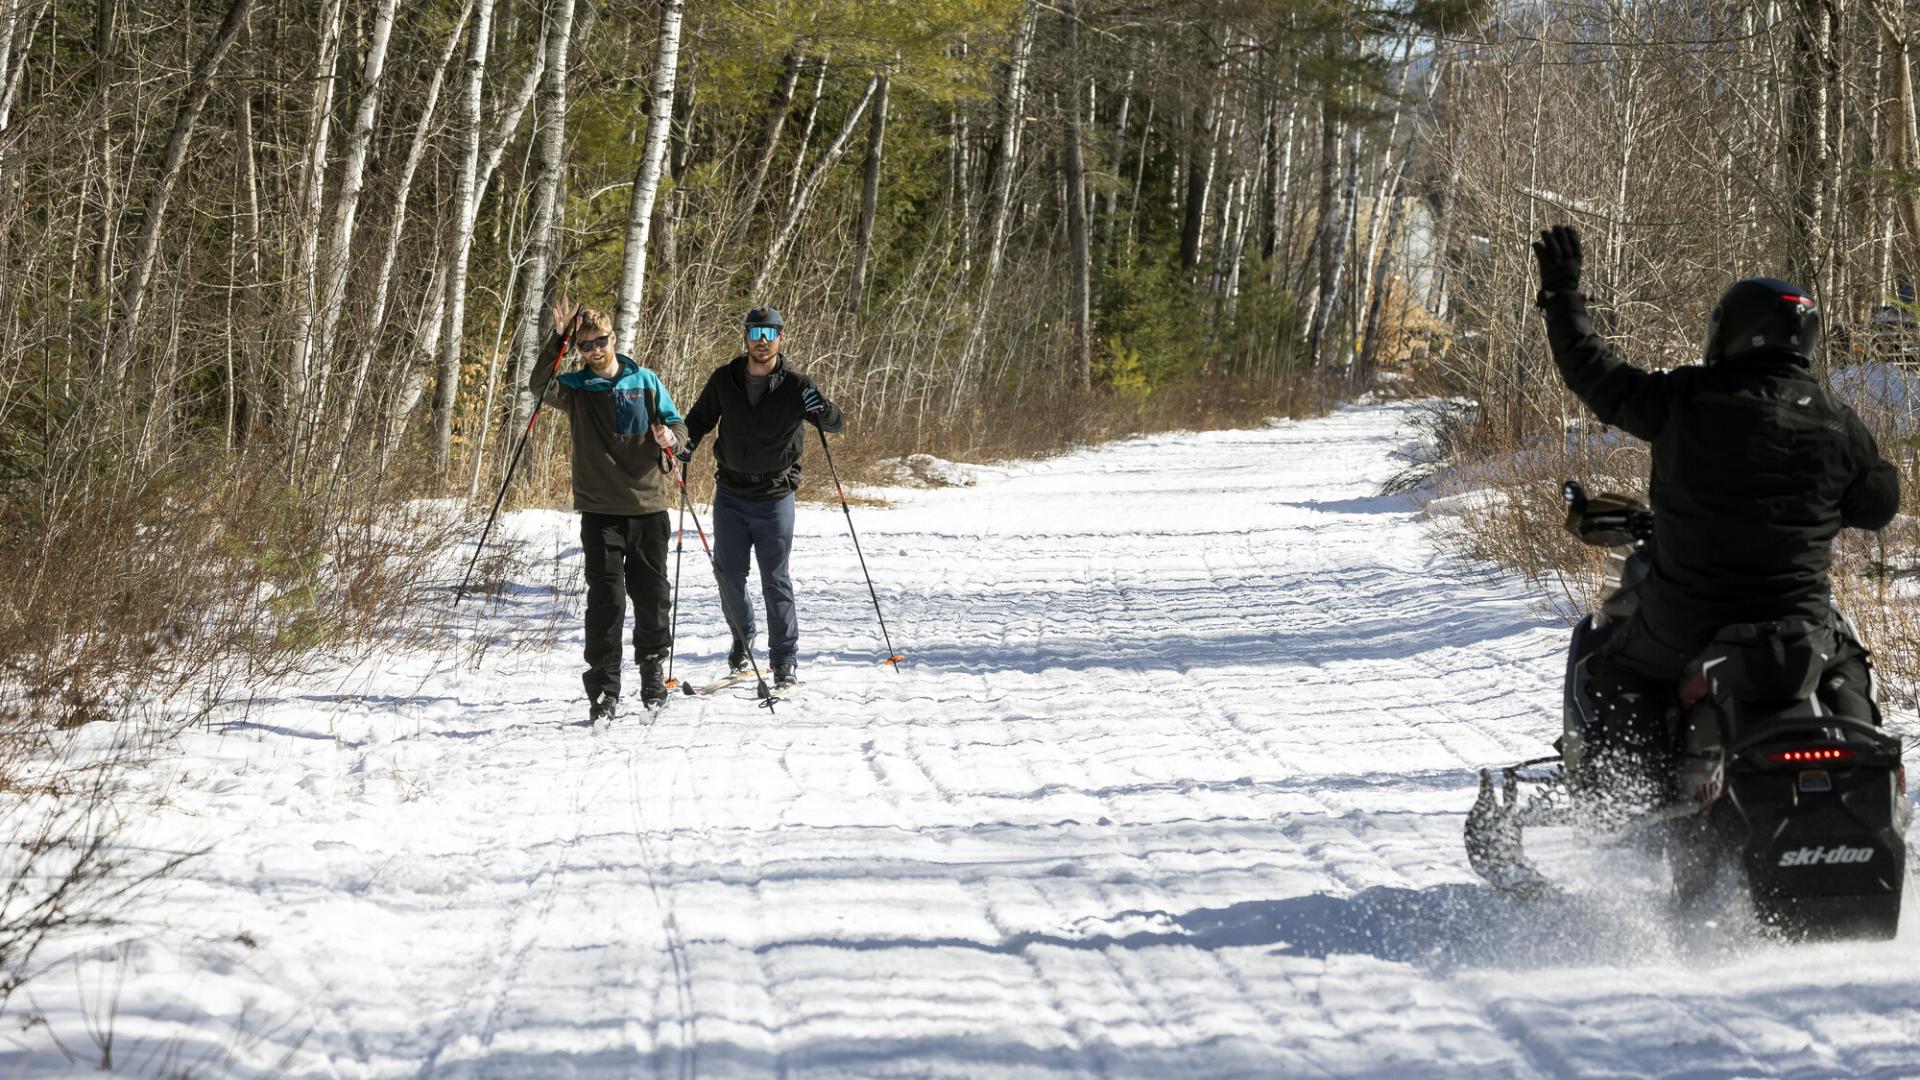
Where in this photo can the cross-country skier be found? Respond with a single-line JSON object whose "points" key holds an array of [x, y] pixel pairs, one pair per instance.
{"points": [[625, 430], [1755, 469], [760, 403]]}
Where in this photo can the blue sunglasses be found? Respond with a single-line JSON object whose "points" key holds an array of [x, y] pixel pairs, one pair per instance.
{"points": [[762, 333]]}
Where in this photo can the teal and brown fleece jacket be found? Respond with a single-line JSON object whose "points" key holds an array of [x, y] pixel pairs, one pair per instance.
{"points": [[616, 464]]}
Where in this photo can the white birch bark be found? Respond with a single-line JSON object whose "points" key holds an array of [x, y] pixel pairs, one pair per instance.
{"points": [[301, 362], [160, 193], [396, 228], [809, 187], [646, 182], [546, 188], [806, 132], [779, 106], [1080, 302], [352, 179], [494, 148], [1119, 143], [466, 207], [1903, 119], [869, 198], [1010, 122]]}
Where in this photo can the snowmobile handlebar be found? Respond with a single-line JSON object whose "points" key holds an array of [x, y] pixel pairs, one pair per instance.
{"points": [[1606, 519]]}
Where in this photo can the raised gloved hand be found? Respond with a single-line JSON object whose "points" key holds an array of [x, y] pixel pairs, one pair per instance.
{"points": [[1558, 253], [812, 402]]}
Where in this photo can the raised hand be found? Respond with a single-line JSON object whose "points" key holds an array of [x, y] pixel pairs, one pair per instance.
{"points": [[1558, 253]]}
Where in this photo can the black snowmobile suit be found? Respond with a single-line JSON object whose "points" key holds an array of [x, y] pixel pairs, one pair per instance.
{"points": [[1756, 468], [757, 455]]}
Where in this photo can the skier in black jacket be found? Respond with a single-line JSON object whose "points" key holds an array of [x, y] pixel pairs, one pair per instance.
{"points": [[760, 404], [1756, 468]]}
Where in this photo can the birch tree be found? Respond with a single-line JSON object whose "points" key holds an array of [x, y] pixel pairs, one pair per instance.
{"points": [[646, 182], [466, 209], [333, 289], [153, 216], [869, 197], [1080, 301], [546, 194], [805, 192]]}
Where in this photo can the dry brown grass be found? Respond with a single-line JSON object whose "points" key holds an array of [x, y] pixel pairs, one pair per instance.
{"points": [[150, 603], [128, 598]]}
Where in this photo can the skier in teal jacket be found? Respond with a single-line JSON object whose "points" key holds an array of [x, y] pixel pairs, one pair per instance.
{"points": [[625, 431]]}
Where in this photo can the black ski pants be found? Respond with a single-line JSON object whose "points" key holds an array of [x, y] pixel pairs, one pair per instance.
{"points": [[1636, 675], [626, 556]]}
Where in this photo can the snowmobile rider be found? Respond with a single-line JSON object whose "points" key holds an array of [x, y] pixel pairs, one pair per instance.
{"points": [[625, 429], [1755, 468], [759, 402]]}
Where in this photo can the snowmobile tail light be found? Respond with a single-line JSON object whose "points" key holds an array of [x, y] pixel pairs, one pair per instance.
{"points": [[1793, 757], [1902, 774]]}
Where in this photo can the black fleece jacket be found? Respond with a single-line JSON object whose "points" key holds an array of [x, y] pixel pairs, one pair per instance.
{"points": [[757, 454], [1756, 468]]}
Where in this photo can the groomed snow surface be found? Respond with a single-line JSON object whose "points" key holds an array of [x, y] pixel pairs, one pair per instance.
{"points": [[1172, 785]]}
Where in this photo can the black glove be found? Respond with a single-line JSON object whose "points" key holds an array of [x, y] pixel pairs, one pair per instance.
{"points": [[1558, 253], [685, 453], [812, 402]]}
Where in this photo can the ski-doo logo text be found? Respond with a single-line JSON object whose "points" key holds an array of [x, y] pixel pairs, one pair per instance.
{"points": [[1822, 856]]}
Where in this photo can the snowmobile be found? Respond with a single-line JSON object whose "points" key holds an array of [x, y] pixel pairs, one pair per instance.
{"points": [[1764, 788]]}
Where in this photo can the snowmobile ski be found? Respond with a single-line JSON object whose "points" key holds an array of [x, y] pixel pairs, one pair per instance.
{"points": [[1494, 847]]}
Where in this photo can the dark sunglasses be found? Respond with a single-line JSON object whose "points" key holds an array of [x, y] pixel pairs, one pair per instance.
{"points": [[762, 333], [594, 345]]}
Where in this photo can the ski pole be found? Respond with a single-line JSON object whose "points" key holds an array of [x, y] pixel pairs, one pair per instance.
{"points": [[667, 464], [726, 609], [893, 658], [573, 325], [673, 635]]}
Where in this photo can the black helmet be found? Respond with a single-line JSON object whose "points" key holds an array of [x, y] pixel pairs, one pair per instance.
{"points": [[1757, 314]]}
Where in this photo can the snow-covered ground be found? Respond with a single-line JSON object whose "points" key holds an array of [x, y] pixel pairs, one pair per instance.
{"points": [[1172, 785]]}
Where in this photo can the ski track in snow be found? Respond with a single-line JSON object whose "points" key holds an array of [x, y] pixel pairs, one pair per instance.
{"points": [[1171, 786]]}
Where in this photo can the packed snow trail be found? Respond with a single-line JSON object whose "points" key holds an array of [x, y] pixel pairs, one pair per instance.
{"points": [[1171, 785]]}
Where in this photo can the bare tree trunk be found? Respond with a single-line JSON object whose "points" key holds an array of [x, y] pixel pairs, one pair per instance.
{"points": [[302, 366], [1279, 239], [779, 106], [1080, 301], [460, 240], [1342, 217], [153, 211], [1119, 143], [646, 183], [347, 205], [806, 133], [546, 196], [808, 188], [1139, 178], [1807, 148], [869, 197], [103, 80], [1010, 120], [506, 124], [1903, 121], [1382, 271], [249, 398], [1201, 148], [396, 228]]}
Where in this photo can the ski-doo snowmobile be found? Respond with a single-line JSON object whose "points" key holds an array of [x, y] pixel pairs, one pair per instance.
{"points": [[1764, 780]]}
